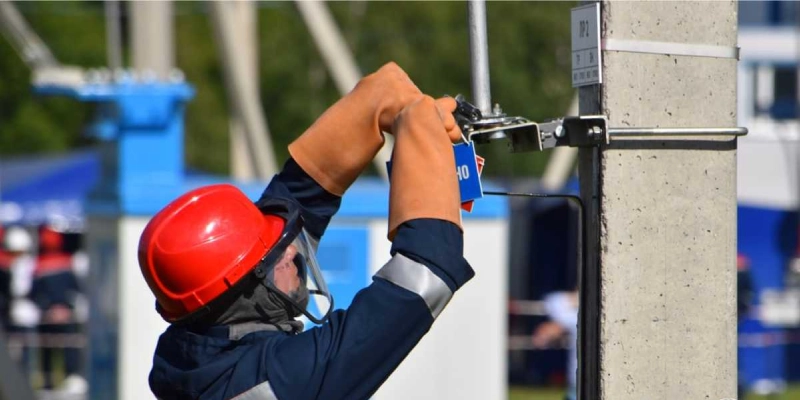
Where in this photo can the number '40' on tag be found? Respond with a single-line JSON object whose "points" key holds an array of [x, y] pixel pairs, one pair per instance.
{"points": [[469, 180]]}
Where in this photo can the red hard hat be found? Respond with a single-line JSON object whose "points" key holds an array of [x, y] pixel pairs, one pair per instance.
{"points": [[201, 244]]}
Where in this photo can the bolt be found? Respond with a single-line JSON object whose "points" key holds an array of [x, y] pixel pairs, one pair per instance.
{"points": [[560, 132], [497, 110]]}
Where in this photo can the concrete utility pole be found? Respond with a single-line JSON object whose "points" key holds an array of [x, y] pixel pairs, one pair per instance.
{"points": [[663, 211], [236, 33], [241, 162], [152, 37]]}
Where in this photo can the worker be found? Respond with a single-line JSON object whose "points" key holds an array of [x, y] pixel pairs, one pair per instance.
{"points": [[22, 315], [58, 293], [231, 276], [562, 308]]}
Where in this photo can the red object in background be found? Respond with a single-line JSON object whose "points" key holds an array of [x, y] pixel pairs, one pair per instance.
{"points": [[742, 262], [5, 258], [50, 241]]}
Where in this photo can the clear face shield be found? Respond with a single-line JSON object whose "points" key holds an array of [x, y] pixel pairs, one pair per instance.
{"points": [[291, 270]]}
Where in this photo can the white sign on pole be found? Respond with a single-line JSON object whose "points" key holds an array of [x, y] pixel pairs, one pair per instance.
{"points": [[586, 65]]}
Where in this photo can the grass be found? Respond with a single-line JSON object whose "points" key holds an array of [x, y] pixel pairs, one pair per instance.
{"points": [[528, 393], [792, 393]]}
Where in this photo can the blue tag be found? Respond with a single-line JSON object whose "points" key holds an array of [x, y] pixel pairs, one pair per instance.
{"points": [[469, 180]]}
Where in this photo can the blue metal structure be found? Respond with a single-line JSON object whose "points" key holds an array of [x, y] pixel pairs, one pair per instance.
{"points": [[141, 125]]}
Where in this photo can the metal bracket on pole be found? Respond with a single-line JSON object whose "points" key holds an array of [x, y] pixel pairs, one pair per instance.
{"points": [[579, 131]]}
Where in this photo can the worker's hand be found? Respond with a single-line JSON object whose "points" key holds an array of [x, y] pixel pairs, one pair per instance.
{"points": [[57, 314], [342, 142], [387, 91], [547, 334], [446, 106], [391, 90], [423, 181]]}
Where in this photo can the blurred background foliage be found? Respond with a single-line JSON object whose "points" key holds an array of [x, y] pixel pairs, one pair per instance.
{"points": [[529, 47]]}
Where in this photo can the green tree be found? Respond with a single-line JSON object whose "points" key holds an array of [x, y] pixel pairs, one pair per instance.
{"points": [[75, 33], [528, 48], [528, 53]]}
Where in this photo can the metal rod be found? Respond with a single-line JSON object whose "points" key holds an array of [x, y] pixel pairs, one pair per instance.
{"points": [[33, 51], [245, 99], [479, 56], [152, 36], [113, 34], [642, 132]]}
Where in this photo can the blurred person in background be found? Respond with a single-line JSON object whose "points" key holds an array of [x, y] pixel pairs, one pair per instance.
{"points": [[744, 287], [744, 301], [562, 308], [58, 294], [232, 276], [20, 315]]}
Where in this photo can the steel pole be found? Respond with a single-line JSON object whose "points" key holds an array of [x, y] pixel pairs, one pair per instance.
{"points": [[479, 56], [113, 34], [645, 132]]}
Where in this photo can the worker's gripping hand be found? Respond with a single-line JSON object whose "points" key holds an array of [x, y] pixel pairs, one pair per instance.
{"points": [[342, 142], [389, 90], [423, 181], [446, 106]]}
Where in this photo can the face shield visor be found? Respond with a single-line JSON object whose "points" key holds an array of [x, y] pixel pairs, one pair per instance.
{"points": [[290, 268]]}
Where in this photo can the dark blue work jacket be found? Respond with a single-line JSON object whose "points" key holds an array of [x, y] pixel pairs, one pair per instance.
{"points": [[349, 356]]}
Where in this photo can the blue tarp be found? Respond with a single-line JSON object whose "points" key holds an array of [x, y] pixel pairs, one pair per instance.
{"points": [[52, 189]]}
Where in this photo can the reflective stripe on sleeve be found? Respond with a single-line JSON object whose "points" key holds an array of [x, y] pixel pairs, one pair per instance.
{"points": [[417, 278], [262, 391]]}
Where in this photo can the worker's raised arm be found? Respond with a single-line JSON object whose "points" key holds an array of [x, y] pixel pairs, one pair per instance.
{"points": [[231, 276], [328, 157], [351, 355]]}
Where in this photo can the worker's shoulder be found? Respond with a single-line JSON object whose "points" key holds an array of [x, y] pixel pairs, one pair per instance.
{"points": [[204, 362], [208, 349]]}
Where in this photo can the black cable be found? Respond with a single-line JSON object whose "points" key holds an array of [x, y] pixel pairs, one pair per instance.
{"points": [[583, 262], [582, 240]]}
